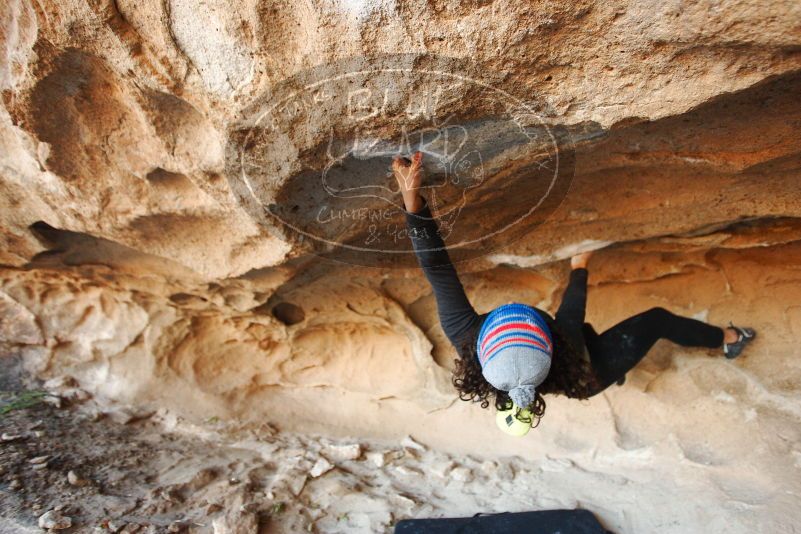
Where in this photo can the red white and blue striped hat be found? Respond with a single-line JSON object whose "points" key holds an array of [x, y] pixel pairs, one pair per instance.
{"points": [[514, 348]]}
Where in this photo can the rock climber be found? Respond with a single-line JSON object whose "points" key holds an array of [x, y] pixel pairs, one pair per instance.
{"points": [[516, 352]]}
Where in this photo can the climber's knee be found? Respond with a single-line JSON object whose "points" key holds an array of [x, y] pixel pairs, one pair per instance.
{"points": [[658, 313]]}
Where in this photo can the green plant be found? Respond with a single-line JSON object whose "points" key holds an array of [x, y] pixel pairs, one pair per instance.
{"points": [[22, 400]]}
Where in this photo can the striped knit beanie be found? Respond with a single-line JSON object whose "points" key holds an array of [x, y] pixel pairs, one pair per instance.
{"points": [[514, 348]]}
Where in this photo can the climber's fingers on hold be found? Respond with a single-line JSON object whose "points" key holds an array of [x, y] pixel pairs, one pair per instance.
{"points": [[398, 166], [417, 161]]}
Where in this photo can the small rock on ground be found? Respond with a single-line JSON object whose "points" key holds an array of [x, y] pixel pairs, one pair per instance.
{"points": [[54, 520]]}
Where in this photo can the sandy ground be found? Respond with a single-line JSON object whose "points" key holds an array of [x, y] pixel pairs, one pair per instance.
{"points": [[120, 471], [64, 460]]}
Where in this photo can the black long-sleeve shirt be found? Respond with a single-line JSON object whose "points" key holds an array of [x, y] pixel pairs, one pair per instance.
{"points": [[458, 318]]}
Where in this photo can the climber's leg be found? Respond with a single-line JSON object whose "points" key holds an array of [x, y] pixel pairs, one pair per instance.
{"points": [[614, 352]]}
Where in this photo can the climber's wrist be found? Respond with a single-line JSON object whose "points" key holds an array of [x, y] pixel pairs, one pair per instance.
{"points": [[413, 201], [580, 261]]}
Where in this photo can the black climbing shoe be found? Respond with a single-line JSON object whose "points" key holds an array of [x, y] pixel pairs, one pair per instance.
{"points": [[746, 336]]}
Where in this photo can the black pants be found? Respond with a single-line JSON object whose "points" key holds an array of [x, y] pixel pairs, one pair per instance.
{"points": [[614, 352]]}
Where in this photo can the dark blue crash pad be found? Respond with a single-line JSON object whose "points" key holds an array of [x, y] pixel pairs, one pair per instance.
{"points": [[543, 522]]}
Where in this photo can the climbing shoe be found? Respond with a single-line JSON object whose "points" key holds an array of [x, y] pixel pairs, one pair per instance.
{"points": [[746, 336]]}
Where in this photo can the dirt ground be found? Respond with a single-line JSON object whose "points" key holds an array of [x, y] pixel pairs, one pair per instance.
{"points": [[63, 458]]}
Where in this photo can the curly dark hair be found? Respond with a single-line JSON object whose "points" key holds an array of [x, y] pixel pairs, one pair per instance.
{"points": [[568, 376]]}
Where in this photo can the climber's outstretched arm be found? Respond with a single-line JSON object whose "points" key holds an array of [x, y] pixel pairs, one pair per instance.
{"points": [[571, 312], [456, 314]]}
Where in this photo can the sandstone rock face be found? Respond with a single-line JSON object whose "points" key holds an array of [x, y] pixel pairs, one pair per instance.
{"points": [[164, 168]]}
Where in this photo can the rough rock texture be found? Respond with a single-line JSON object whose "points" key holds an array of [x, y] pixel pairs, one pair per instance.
{"points": [[137, 260]]}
